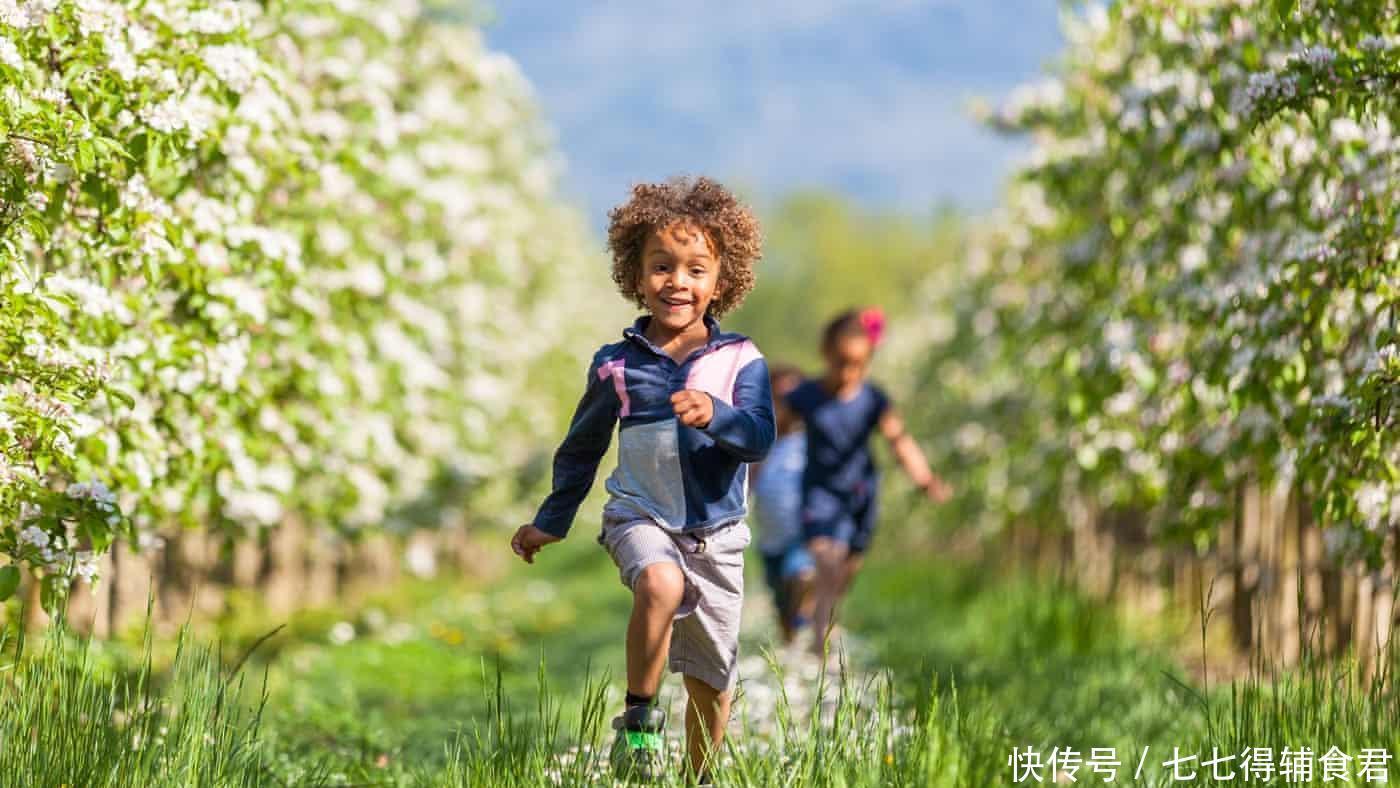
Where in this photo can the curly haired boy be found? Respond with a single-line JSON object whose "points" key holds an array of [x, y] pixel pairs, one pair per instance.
{"points": [[693, 407]]}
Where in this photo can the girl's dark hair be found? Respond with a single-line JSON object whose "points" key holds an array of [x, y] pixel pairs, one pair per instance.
{"points": [[868, 323], [843, 325]]}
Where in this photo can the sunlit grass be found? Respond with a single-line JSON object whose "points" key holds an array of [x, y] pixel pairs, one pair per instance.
{"points": [[516, 684], [64, 720]]}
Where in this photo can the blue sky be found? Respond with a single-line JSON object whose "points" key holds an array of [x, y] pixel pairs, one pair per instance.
{"points": [[867, 97]]}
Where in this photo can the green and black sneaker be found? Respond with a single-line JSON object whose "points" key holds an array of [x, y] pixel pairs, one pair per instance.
{"points": [[639, 751]]}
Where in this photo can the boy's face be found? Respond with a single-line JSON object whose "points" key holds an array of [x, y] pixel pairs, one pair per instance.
{"points": [[679, 275]]}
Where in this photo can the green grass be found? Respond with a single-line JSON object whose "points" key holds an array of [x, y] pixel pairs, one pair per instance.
{"points": [[1055, 669], [513, 683], [66, 718], [1059, 668]]}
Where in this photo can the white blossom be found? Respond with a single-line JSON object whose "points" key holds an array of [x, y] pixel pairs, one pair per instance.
{"points": [[1373, 503], [34, 535], [1374, 43], [1318, 56], [9, 54], [233, 64]]}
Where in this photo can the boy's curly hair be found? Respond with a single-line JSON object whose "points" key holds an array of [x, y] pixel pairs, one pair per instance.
{"points": [[728, 225]]}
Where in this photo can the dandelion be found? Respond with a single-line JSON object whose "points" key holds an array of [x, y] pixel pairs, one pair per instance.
{"points": [[342, 633], [539, 591]]}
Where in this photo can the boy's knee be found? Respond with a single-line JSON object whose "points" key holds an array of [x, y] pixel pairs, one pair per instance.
{"points": [[701, 692], [661, 583]]}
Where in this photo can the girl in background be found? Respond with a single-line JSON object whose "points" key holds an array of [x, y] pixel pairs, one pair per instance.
{"points": [[839, 485]]}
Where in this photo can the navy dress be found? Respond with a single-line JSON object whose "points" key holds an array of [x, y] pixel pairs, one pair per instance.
{"points": [[840, 480]]}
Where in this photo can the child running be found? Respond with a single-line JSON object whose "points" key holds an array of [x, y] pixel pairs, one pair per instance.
{"points": [[777, 508], [693, 405], [839, 485]]}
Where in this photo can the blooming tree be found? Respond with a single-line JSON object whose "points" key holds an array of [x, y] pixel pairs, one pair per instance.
{"points": [[1194, 278], [259, 262]]}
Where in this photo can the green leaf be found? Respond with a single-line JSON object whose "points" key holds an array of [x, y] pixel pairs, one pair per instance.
{"points": [[9, 581], [54, 212], [85, 157]]}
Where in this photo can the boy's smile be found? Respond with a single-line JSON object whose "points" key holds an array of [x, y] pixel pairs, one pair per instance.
{"points": [[680, 275]]}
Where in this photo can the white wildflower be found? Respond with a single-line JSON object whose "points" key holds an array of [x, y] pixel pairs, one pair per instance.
{"points": [[343, 632]]}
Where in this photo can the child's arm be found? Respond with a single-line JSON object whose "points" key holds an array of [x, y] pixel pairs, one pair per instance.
{"points": [[911, 457], [744, 429], [575, 465]]}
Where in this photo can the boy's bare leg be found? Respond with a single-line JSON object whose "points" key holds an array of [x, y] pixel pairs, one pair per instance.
{"points": [[656, 596], [706, 715], [830, 557]]}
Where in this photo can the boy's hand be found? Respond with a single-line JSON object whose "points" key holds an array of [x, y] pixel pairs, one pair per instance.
{"points": [[528, 540], [693, 408], [938, 490]]}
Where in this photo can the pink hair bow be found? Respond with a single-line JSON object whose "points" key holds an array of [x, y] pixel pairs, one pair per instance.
{"points": [[873, 321]]}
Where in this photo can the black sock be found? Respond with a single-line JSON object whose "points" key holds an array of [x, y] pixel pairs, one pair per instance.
{"points": [[638, 700]]}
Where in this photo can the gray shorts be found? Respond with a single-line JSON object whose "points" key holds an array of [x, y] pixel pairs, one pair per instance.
{"points": [[705, 633]]}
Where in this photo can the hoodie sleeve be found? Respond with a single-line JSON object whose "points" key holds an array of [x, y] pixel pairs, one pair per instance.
{"points": [[746, 428], [576, 461]]}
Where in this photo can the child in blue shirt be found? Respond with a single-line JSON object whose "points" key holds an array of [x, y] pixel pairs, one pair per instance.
{"points": [[693, 407], [777, 507], [840, 411]]}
